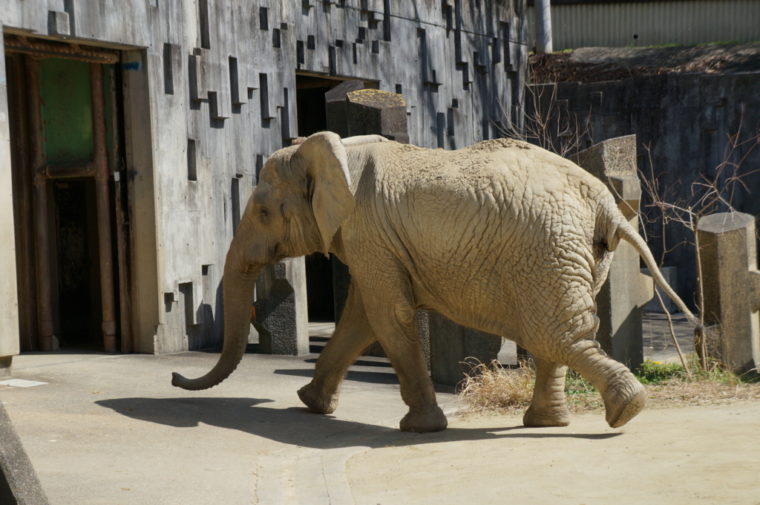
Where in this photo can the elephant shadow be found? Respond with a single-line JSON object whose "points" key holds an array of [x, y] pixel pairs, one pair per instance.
{"points": [[298, 426]]}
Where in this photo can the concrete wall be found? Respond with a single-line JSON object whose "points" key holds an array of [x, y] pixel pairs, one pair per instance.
{"points": [[9, 329], [686, 121], [210, 91], [646, 23]]}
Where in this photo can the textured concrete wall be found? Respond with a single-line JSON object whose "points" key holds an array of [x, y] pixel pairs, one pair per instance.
{"points": [[685, 121], [210, 91], [9, 333]]}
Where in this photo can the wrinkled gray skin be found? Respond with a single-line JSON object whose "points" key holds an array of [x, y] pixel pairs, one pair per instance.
{"points": [[502, 236]]}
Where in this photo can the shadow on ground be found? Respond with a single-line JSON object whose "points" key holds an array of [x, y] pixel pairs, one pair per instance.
{"points": [[298, 426]]}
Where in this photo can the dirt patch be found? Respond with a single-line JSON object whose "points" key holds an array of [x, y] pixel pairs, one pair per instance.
{"points": [[596, 64]]}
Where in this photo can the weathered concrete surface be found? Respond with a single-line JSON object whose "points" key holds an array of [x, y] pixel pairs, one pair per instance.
{"points": [[110, 429], [18, 481], [281, 312], [454, 348], [9, 337], [693, 455], [730, 283]]}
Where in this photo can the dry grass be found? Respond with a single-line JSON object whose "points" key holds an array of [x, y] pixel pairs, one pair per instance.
{"points": [[492, 388]]}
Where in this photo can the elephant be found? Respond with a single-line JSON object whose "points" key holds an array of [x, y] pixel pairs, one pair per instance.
{"points": [[501, 236]]}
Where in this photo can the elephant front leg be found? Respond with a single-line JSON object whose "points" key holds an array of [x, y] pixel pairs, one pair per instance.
{"points": [[351, 336], [392, 316], [548, 407]]}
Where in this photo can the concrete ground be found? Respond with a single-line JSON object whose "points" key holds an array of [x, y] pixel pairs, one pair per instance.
{"points": [[111, 430]]}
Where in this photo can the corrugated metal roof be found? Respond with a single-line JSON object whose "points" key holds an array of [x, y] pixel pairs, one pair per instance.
{"points": [[679, 22]]}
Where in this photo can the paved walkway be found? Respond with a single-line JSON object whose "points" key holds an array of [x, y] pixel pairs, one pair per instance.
{"points": [[111, 430]]}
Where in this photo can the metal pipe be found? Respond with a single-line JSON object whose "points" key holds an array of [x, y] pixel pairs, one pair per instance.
{"points": [[102, 202], [46, 331], [543, 26], [22, 196]]}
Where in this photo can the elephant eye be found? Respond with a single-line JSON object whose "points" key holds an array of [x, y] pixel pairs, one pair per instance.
{"points": [[264, 212]]}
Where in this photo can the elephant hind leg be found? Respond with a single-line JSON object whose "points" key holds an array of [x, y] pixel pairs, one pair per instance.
{"points": [[548, 407], [623, 394]]}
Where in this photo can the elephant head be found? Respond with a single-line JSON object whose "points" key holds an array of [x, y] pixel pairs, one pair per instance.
{"points": [[302, 198]]}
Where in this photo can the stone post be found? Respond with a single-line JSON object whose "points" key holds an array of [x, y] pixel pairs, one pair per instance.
{"points": [[451, 345], [731, 285], [281, 310], [543, 26], [626, 291]]}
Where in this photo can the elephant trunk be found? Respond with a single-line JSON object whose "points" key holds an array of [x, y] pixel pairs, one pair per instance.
{"points": [[239, 281]]}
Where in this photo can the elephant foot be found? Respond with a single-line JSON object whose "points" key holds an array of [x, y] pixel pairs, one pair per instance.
{"points": [[544, 417], [316, 402], [423, 421], [623, 399]]}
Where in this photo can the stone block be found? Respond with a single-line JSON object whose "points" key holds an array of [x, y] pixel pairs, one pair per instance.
{"points": [[621, 298], [376, 111], [731, 286], [58, 24], [19, 484], [452, 344], [335, 106], [281, 308]]}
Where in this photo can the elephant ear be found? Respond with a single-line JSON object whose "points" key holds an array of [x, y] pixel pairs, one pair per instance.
{"points": [[327, 167]]}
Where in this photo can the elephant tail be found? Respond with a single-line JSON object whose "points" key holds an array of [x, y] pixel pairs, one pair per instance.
{"points": [[624, 231]]}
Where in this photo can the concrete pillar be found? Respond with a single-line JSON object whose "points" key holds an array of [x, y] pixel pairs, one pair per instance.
{"points": [[626, 291], [374, 111], [543, 26], [731, 284], [9, 335], [282, 319], [451, 344]]}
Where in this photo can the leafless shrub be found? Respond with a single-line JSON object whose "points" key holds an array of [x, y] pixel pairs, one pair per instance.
{"points": [[549, 123], [708, 195]]}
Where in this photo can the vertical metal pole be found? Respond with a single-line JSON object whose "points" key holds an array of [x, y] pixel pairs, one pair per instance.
{"points": [[46, 333], [543, 26], [22, 196], [102, 202]]}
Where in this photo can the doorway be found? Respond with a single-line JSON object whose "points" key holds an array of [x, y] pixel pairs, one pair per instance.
{"points": [[70, 214]]}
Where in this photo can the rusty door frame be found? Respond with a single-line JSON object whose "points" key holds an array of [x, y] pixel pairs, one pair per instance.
{"points": [[98, 169]]}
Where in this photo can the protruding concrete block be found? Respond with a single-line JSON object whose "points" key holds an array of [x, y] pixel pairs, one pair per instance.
{"points": [[58, 23], [376, 111], [281, 308], [18, 480], [451, 344], [335, 106], [731, 284], [620, 301]]}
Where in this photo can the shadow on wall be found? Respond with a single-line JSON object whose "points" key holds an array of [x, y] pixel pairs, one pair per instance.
{"points": [[297, 426]]}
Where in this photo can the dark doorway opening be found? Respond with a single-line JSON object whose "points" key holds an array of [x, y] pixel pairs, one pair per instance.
{"points": [[76, 251]]}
